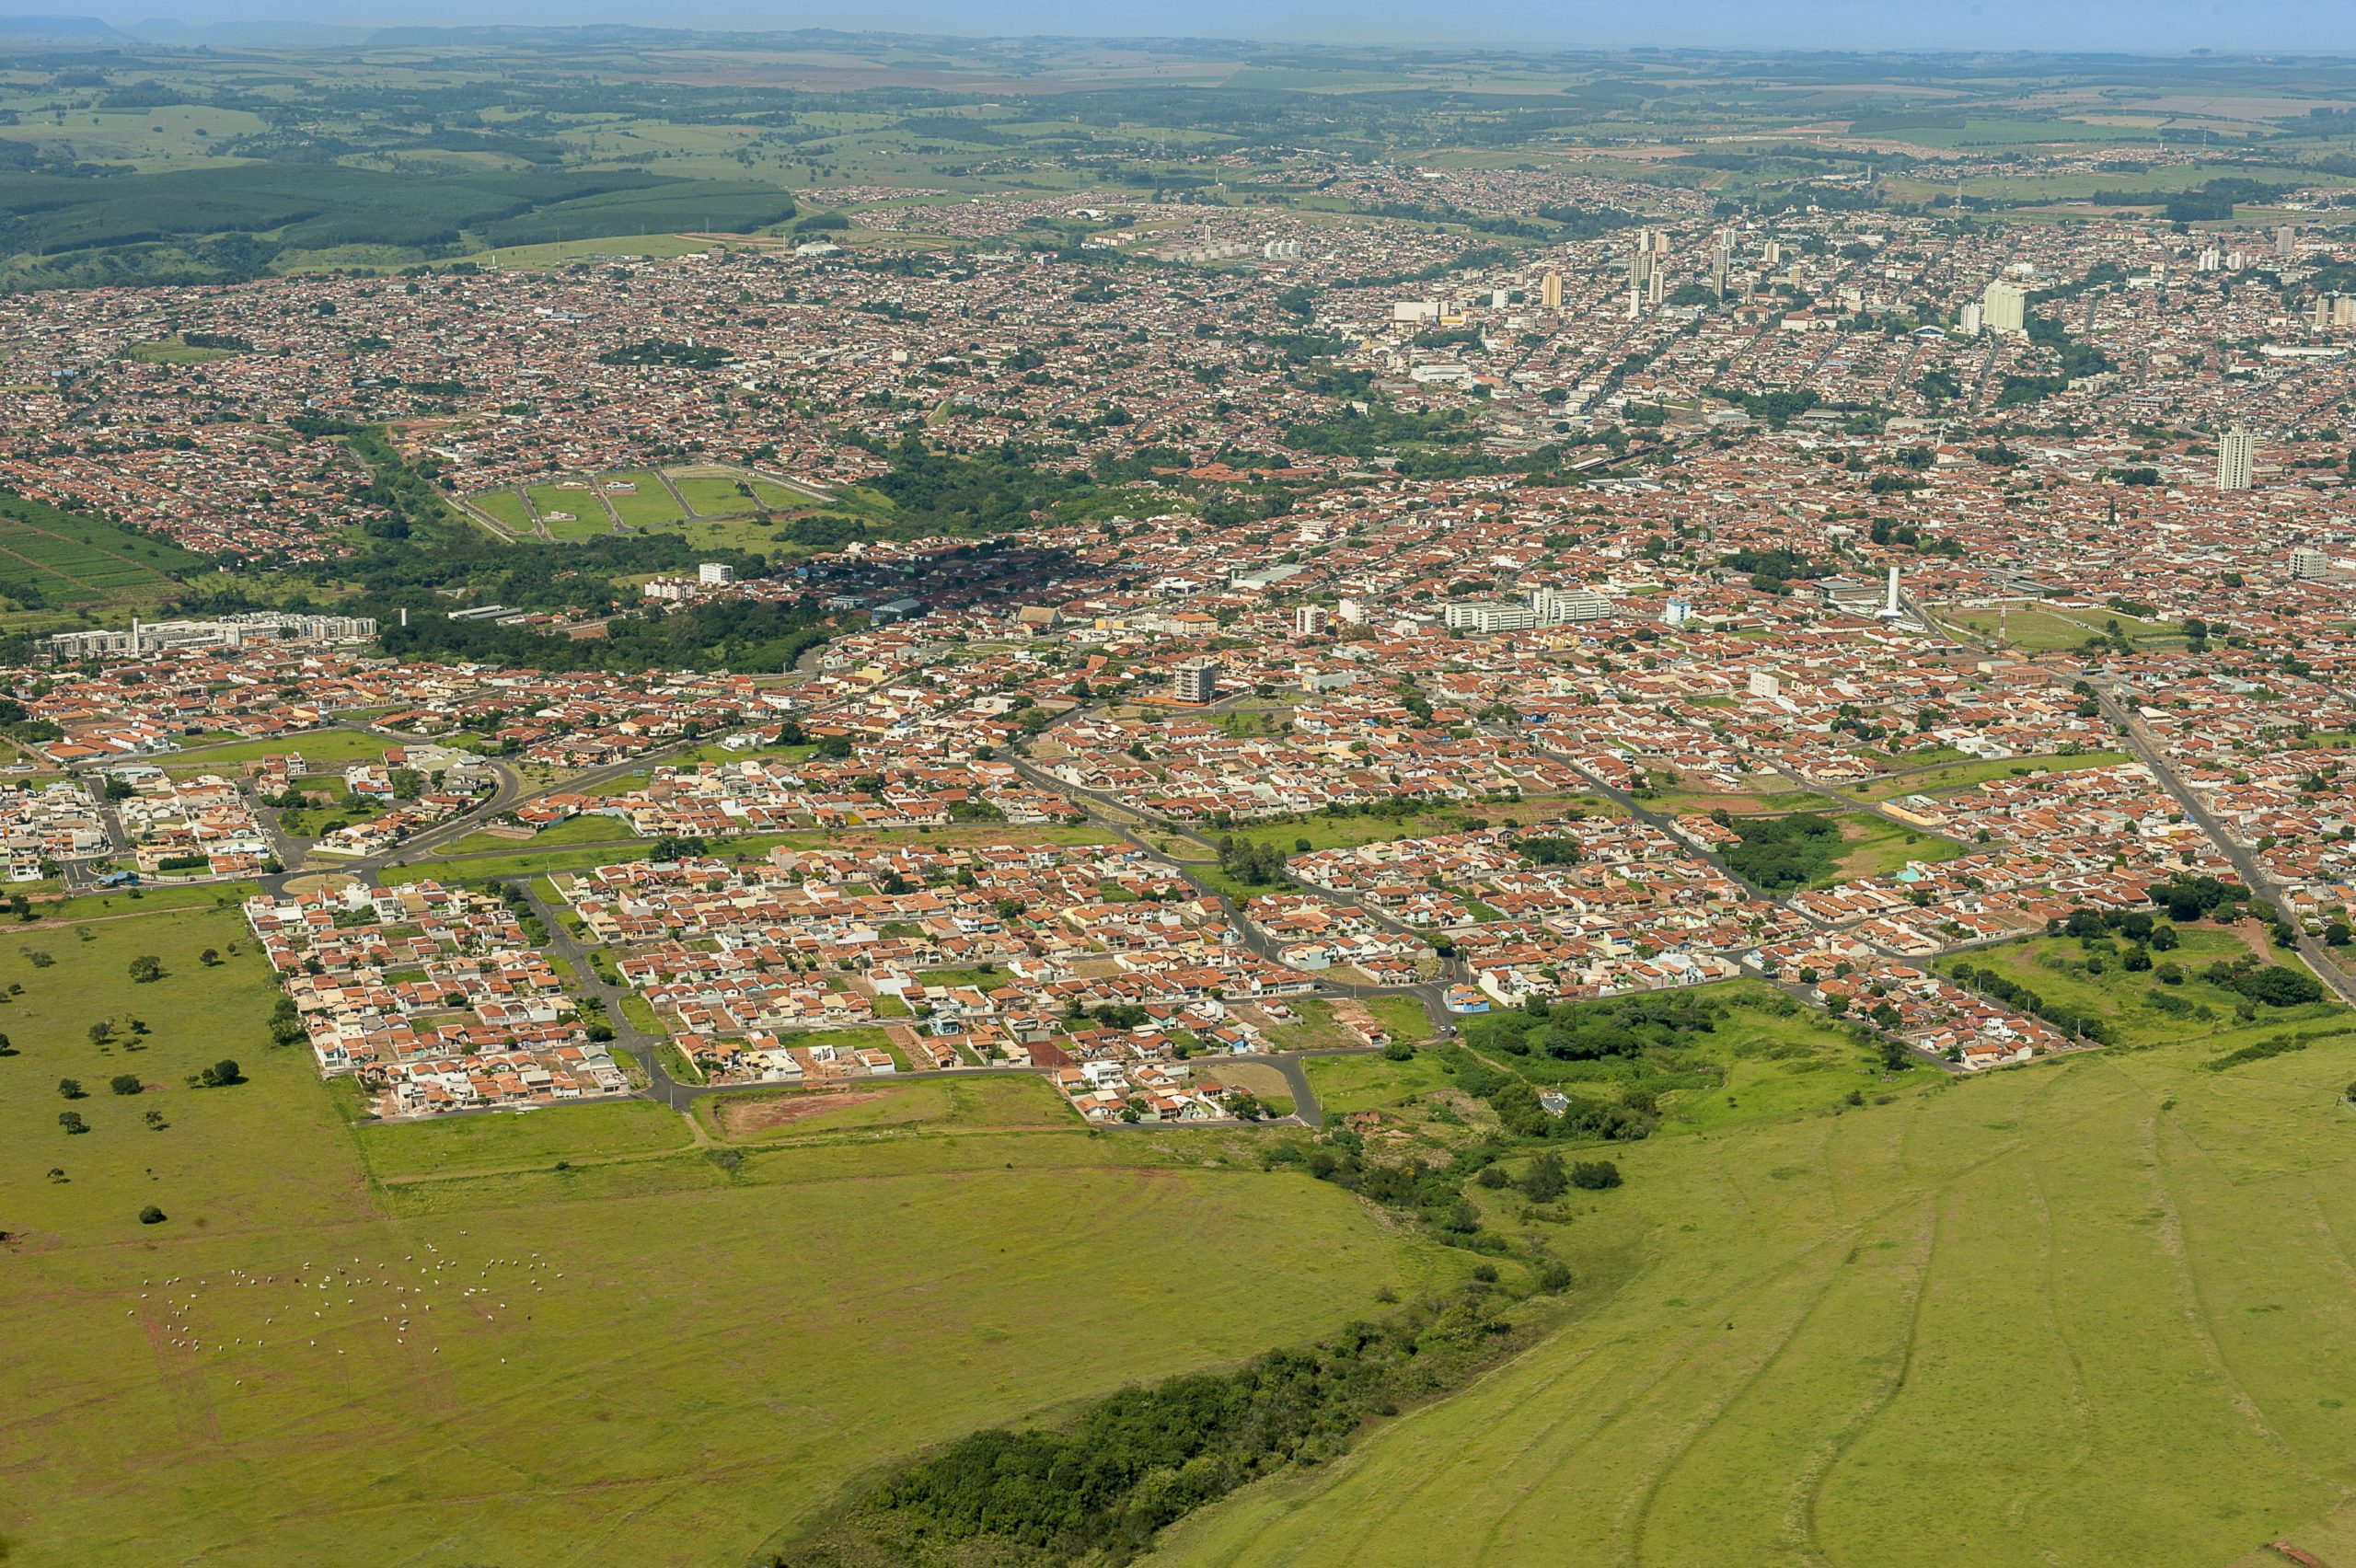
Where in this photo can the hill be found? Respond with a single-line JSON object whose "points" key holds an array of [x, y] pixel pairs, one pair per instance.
{"points": [[2091, 1312]]}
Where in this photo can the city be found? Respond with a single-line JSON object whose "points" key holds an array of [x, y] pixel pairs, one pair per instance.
{"points": [[1589, 799]]}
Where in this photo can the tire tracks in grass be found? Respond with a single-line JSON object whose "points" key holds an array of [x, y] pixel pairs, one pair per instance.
{"points": [[2081, 1403], [1638, 1524], [1936, 1191], [2201, 1322], [1801, 1531]]}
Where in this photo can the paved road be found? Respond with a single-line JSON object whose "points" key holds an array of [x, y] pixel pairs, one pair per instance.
{"points": [[2147, 751], [643, 1047]]}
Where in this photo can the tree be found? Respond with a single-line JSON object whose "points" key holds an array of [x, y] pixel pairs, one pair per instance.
{"points": [[125, 1083], [1595, 1175], [70, 1088], [72, 1122], [1544, 1181], [209, 957], [146, 969], [220, 1075]]}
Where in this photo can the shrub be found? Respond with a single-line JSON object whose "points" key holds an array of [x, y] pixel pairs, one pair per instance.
{"points": [[151, 1214], [1595, 1175], [125, 1083]]}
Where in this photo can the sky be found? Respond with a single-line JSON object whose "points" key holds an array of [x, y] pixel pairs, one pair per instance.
{"points": [[2122, 26]]}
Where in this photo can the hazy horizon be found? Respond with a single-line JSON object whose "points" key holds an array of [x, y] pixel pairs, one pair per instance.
{"points": [[2003, 26]]}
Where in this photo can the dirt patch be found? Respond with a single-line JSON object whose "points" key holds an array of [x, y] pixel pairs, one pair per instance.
{"points": [[1252, 1078], [2256, 937], [740, 1117]]}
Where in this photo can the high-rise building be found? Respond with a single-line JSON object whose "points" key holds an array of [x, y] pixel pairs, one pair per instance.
{"points": [[1308, 620], [2236, 458], [1550, 290], [2286, 240], [2308, 563], [1969, 319], [714, 574], [2003, 308], [1196, 680]]}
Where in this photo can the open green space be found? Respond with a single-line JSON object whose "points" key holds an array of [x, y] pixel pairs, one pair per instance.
{"points": [[1876, 847], [932, 1105], [1404, 1017], [1954, 776], [1372, 1082], [509, 1140], [743, 1336], [1320, 831], [172, 350], [326, 749], [646, 504], [2116, 1280], [588, 828], [2146, 1008], [505, 508], [710, 495]]}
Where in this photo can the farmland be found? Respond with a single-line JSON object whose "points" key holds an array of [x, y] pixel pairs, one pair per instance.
{"points": [[735, 1331], [52, 557], [2115, 1284]]}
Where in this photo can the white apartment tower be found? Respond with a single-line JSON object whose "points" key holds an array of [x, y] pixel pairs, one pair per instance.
{"points": [[2003, 308], [2236, 458]]}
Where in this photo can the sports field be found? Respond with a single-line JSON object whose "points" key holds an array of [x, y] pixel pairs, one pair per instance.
{"points": [[580, 1335], [2095, 1313]]}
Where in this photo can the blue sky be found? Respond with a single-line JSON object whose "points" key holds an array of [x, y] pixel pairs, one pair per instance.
{"points": [[2322, 26]]}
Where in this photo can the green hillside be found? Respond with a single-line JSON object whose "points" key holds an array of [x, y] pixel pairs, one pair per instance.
{"points": [[54, 559], [2092, 1313]]}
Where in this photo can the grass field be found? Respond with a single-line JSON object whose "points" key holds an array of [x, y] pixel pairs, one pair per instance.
{"points": [[2118, 1285], [2032, 632], [171, 350], [507, 509], [1013, 1099], [652, 1358], [328, 749], [648, 506], [586, 829], [1948, 777], [1367, 1083], [1348, 831], [2057, 969], [1872, 847]]}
